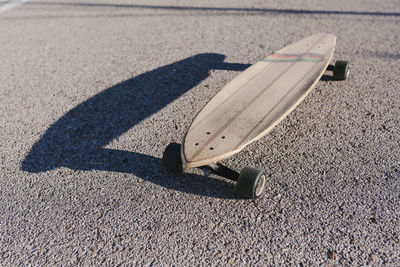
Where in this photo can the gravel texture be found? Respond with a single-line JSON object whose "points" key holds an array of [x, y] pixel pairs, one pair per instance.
{"points": [[93, 91]]}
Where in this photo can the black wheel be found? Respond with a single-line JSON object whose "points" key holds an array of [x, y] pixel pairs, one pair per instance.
{"points": [[341, 70], [172, 157], [251, 182]]}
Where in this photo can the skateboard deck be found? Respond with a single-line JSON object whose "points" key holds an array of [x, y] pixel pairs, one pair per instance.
{"points": [[255, 101]]}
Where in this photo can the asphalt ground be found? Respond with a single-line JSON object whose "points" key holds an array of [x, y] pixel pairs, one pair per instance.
{"points": [[93, 91]]}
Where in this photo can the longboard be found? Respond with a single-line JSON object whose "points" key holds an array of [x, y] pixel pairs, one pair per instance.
{"points": [[252, 104]]}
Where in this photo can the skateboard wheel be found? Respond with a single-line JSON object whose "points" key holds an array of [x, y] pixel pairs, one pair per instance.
{"points": [[341, 70], [251, 182], [172, 158]]}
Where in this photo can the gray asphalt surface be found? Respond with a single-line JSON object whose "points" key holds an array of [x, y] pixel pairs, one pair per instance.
{"points": [[93, 91]]}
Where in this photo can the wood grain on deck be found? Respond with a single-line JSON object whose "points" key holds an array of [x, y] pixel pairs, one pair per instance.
{"points": [[255, 101]]}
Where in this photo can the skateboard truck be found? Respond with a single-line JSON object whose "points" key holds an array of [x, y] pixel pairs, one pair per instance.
{"points": [[221, 170], [250, 182]]}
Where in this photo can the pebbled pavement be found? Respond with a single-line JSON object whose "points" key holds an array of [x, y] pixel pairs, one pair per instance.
{"points": [[93, 91]]}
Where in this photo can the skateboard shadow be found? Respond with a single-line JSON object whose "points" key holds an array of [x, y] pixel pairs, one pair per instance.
{"points": [[78, 138]]}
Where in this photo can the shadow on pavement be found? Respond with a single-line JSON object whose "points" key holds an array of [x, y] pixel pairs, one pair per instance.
{"points": [[77, 139], [239, 10]]}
